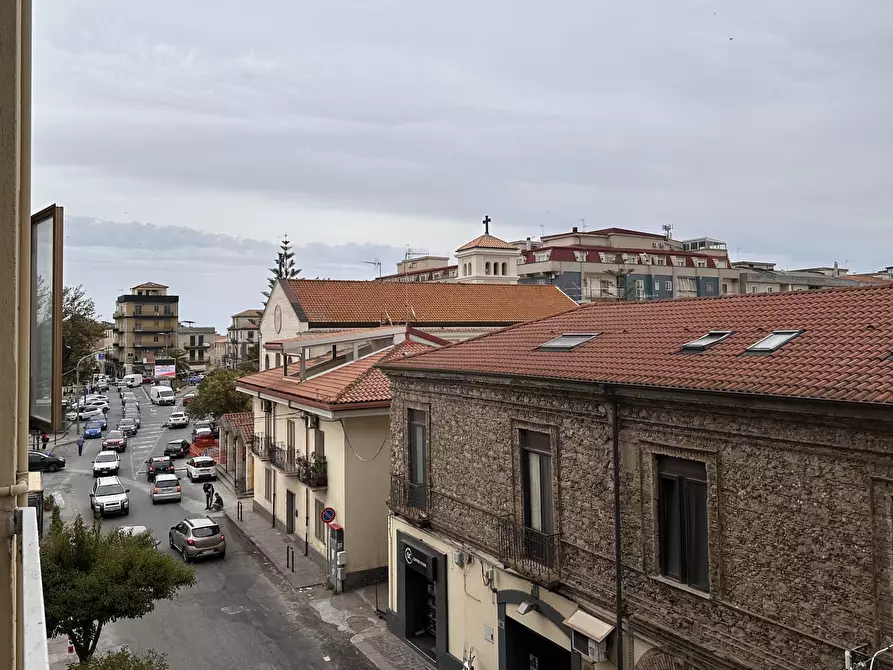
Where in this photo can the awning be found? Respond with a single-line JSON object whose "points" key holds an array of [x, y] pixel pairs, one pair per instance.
{"points": [[592, 627]]}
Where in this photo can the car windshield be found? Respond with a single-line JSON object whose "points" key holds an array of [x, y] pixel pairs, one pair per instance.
{"points": [[94, 424], [115, 435], [177, 415], [126, 422], [204, 462], [170, 480], [104, 458], [205, 531], [109, 490], [160, 461], [175, 443]]}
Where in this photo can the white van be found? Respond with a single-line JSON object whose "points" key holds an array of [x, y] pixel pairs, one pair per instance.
{"points": [[161, 395], [132, 381]]}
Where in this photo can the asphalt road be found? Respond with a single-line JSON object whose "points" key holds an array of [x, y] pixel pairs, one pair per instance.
{"points": [[239, 614]]}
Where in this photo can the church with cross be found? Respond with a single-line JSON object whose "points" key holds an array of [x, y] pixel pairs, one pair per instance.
{"points": [[484, 260]]}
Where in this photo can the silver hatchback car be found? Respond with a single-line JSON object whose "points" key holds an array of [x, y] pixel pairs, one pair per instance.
{"points": [[166, 487], [197, 537]]}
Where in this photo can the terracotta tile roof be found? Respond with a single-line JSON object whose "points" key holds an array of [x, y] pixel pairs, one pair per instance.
{"points": [[486, 241], [866, 279], [358, 382], [606, 231], [370, 303], [844, 352], [248, 312], [242, 422], [411, 273]]}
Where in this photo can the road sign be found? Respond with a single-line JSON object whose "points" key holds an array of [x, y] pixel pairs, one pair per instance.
{"points": [[327, 515]]}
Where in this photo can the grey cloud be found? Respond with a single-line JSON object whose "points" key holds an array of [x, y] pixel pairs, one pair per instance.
{"points": [[629, 114], [214, 275]]}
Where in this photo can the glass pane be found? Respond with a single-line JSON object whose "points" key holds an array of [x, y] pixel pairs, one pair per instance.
{"points": [[696, 522], [670, 540]]}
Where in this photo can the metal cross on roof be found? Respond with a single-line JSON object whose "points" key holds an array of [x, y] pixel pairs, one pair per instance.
{"points": [[487, 224]]}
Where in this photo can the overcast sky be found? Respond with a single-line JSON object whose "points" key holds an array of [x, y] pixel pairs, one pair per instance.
{"points": [[382, 124]]}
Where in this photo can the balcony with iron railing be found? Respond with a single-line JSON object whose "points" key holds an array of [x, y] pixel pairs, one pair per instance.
{"points": [[263, 447], [529, 552], [284, 459]]}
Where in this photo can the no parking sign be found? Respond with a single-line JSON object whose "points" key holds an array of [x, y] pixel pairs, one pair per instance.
{"points": [[327, 515]]}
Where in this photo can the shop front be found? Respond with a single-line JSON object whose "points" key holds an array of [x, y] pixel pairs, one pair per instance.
{"points": [[421, 597]]}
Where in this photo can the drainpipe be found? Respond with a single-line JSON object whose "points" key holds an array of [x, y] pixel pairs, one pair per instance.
{"points": [[306, 490], [618, 557]]}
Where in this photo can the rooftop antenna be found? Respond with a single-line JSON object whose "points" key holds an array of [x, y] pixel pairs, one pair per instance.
{"points": [[542, 230], [668, 230], [375, 262], [410, 253], [583, 224]]}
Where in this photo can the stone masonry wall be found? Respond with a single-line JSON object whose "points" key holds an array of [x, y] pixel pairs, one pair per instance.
{"points": [[799, 511]]}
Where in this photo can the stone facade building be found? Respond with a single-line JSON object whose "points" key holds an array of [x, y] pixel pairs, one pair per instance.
{"points": [[753, 443]]}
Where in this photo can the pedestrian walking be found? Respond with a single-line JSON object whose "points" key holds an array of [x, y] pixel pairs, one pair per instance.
{"points": [[45, 438], [80, 443], [208, 488]]}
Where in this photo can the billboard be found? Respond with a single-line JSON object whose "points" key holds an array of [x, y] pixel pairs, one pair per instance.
{"points": [[165, 370]]}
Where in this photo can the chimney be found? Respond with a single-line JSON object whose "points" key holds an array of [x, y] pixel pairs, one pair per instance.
{"points": [[836, 270], [529, 246], [574, 229]]}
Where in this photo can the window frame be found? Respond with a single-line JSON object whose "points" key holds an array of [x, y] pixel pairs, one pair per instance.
{"points": [[268, 484], [319, 526], [715, 337], [686, 474], [543, 453], [555, 344], [787, 335]]}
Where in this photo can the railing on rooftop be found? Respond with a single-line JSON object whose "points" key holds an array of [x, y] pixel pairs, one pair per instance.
{"points": [[35, 654]]}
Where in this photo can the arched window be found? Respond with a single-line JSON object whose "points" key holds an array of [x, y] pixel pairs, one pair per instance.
{"points": [[266, 361], [496, 268], [278, 360], [465, 269], [487, 268], [505, 268]]}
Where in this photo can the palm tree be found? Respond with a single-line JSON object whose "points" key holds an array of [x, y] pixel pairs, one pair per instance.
{"points": [[180, 360]]}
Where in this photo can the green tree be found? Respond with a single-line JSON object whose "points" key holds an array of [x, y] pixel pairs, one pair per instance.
{"points": [[217, 395], [285, 267], [91, 578], [181, 360], [252, 355], [81, 330], [123, 659]]}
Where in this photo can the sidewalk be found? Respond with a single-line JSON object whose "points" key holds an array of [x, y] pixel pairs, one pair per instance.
{"points": [[352, 612]]}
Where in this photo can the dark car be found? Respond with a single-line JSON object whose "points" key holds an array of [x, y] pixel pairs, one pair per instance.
{"points": [[44, 461], [159, 465], [128, 427], [177, 448]]}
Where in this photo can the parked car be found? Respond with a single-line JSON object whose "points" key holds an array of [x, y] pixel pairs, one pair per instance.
{"points": [[209, 426], [167, 487], [101, 420], [44, 461], [115, 441], [197, 537], [84, 413], [201, 467], [188, 398], [159, 465], [106, 463], [178, 420], [177, 449], [128, 427], [92, 430], [109, 497], [136, 530], [192, 380]]}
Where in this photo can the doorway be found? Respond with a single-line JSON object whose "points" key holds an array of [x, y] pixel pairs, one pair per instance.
{"points": [[289, 512], [526, 650]]}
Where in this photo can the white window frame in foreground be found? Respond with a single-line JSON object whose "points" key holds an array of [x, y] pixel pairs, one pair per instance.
{"points": [[774, 342], [567, 341], [706, 341]]}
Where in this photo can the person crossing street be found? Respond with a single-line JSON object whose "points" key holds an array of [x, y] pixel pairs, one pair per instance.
{"points": [[80, 443]]}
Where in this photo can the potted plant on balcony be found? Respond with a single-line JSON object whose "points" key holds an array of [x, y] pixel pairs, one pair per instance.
{"points": [[312, 472]]}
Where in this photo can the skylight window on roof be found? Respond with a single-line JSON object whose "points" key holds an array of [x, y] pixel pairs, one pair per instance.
{"points": [[567, 341], [706, 341], [775, 341]]}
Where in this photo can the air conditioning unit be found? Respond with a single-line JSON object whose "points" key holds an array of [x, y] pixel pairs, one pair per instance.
{"points": [[266, 406], [592, 650]]}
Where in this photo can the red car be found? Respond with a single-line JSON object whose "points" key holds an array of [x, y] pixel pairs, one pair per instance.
{"points": [[115, 441]]}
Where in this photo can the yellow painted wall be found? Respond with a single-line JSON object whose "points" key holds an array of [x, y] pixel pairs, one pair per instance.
{"points": [[335, 495], [367, 468]]}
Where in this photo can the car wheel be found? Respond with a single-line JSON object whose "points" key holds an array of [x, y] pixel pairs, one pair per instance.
{"points": [[184, 555], [52, 467], [127, 512], [222, 555], [153, 500], [170, 541]]}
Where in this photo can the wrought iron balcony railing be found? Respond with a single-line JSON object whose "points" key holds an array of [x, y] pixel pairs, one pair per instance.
{"points": [[284, 459], [409, 500], [529, 551], [263, 447]]}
